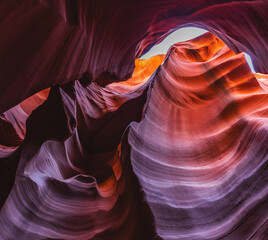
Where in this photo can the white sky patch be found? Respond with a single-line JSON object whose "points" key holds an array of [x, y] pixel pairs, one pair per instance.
{"points": [[181, 35], [248, 58]]}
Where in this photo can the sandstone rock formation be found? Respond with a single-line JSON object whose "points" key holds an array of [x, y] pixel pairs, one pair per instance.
{"points": [[92, 148]]}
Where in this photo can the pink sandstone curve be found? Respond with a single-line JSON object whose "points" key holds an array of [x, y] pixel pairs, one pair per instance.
{"points": [[47, 42], [201, 150], [179, 152], [115, 152]]}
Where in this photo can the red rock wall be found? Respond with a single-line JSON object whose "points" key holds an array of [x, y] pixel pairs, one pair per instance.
{"points": [[47, 42], [177, 151]]}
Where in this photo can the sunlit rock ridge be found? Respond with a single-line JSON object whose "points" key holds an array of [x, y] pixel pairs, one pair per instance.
{"points": [[96, 143]]}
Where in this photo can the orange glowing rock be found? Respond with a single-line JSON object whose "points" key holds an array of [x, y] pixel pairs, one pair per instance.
{"points": [[29, 104], [200, 152], [178, 150], [144, 68]]}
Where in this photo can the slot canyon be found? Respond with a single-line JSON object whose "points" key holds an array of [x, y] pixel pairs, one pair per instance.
{"points": [[97, 142]]}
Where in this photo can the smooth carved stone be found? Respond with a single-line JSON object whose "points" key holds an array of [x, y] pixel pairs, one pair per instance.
{"points": [[47, 42], [200, 152], [177, 151], [77, 186]]}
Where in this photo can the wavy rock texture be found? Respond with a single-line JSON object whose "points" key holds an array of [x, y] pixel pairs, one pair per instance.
{"points": [[46, 42], [12, 134], [13, 122], [194, 139], [201, 152], [74, 185], [176, 151]]}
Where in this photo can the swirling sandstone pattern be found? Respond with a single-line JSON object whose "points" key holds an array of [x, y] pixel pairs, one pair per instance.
{"points": [[198, 147], [76, 186], [47, 42], [202, 162], [173, 151], [12, 134]]}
